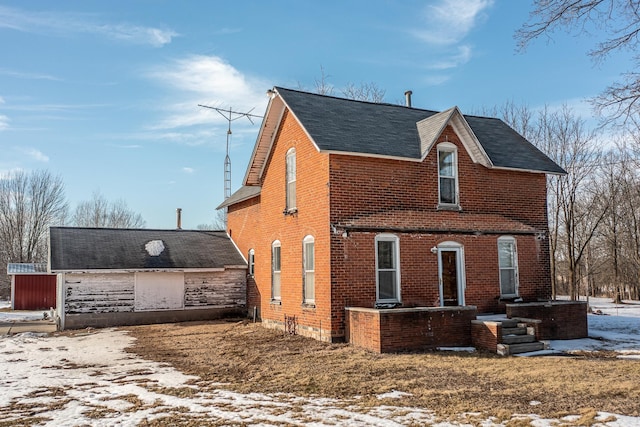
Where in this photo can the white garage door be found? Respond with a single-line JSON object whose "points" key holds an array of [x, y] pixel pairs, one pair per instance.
{"points": [[159, 291]]}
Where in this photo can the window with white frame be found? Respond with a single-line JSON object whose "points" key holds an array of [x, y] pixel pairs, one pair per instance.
{"points": [[275, 270], [291, 179], [447, 174], [251, 259], [508, 265], [387, 268], [309, 266]]}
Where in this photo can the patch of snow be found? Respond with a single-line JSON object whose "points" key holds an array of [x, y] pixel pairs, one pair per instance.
{"points": [[154, 247], [463, 349], [393, 394], [23, 316]]}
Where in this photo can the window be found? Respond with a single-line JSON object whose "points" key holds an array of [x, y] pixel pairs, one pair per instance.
{"points": [[448, 174], [251, 262], [508, 265], [291, 179], [387, 271], [309, 265], [275, 270]]}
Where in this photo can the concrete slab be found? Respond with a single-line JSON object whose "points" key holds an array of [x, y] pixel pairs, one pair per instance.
{"points": [[37, 326]]}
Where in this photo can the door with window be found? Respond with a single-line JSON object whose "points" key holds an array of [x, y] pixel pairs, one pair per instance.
{"points": [[451, 275]]}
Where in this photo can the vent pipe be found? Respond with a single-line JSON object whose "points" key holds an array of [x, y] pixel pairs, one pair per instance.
{"points": [[407, 96], [179, 219]]}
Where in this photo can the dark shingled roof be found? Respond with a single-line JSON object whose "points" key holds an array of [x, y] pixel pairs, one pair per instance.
{"points": [[125, 249], [338, 124]]}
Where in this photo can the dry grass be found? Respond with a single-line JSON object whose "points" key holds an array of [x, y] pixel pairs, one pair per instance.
{"points": [[249, 358]]}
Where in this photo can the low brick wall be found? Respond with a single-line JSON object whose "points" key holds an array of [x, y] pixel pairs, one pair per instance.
{"points": [[486, 334], [406, 329], [103, 320], [559, 320]]}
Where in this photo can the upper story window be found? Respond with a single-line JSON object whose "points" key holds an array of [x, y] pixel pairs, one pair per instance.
{"points": [[275, 270], [508, 265], [309, 267], [291, 179], [387, 268], [448, 174], [252, 263]]}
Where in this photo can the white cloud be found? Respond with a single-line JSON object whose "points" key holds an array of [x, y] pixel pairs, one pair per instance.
{"points": [[27, 76], [56, 23], [211, 81], [36, 155], [462, 57], [188, 170], [1, 100], [449, 21], [4, 122]]}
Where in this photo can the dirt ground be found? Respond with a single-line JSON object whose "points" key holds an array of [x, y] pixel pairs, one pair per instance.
{"points": [[246, 357]]}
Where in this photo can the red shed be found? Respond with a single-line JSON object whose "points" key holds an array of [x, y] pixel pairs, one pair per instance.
{"points": [[32, 288]]}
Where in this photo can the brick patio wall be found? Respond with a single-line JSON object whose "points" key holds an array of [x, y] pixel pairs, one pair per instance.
{"points": [[560, 320]]}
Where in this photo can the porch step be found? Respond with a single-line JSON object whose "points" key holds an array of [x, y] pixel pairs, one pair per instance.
{"points": [[509, 323], [518, 339], [513, 331], [507, 349]]}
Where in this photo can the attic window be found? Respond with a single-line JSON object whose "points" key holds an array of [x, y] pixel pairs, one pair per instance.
{"points": [[154, 247], [448, 174]]}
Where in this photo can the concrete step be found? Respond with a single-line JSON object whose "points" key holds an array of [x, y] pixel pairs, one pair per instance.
{"points": [[517, 339], [507, 349], [513, 331], [509, 323]]}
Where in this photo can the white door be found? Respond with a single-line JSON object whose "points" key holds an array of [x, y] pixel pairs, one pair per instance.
{"points": [[159, 291]]}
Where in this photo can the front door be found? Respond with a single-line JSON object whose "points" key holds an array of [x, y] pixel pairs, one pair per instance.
{"points": [[451, 276]]}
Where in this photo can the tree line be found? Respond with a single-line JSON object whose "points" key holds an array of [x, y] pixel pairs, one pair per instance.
{"points": [[31, 202]]}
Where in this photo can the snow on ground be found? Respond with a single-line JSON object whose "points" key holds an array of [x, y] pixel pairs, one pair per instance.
{"points": [[90, 380], [19, 316]]}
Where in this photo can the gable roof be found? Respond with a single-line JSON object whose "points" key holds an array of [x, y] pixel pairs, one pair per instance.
{"points": [[83, 249], [384, 130], [26, 268]]}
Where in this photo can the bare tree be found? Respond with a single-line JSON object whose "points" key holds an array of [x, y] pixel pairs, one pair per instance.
{"points": [[218, 222], [29, 204], [101, 213], [618, 24], [364, 92]]}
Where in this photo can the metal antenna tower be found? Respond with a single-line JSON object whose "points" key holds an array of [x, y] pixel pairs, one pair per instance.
{"points": [[230, 116]]}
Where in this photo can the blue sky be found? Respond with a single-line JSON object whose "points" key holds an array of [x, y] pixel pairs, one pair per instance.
{"points": [[106, 94]]}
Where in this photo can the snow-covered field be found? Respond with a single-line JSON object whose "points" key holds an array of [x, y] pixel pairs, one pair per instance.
{"points": [[90, 380]]}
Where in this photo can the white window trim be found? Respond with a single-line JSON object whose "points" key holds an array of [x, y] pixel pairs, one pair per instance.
{"points": [[512, 240], [305, 297], [252, 262], [290, 156], [449, 148], [385, 237], [276, 244]]}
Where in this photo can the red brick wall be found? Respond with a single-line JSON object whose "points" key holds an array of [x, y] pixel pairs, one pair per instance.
{"points": [[257, 223], [560, 320], [394, 330], [486, 335]]}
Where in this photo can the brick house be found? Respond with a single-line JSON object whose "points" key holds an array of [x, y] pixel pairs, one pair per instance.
{"points": [[352, 212]]}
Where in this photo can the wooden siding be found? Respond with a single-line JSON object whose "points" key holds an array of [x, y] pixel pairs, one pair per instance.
{"points": [[115, 292], [220, 289], [99, 293]]}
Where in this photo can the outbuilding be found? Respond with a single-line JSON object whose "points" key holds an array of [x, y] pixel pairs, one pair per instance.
{"points": [[32, 288], [111, 277]]}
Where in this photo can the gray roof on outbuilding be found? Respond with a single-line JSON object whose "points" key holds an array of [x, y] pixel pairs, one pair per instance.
{"points": [[81, 249], [26, 268], [242, 194], [344, 125]]}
